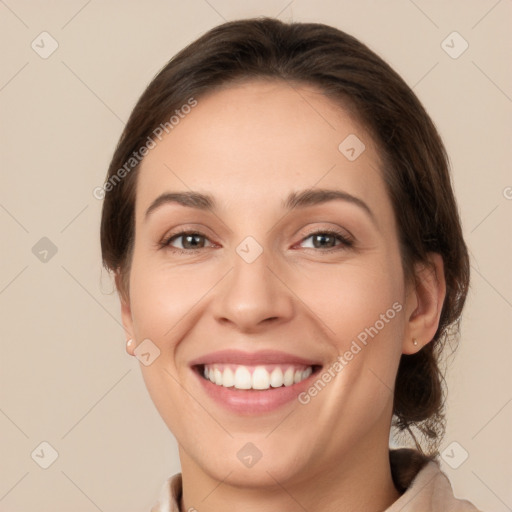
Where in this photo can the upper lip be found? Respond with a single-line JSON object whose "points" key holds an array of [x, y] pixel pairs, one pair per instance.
{"points": [[252, 358]]}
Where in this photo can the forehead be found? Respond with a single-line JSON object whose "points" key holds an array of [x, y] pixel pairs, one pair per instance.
{"points": [[262, 139]]}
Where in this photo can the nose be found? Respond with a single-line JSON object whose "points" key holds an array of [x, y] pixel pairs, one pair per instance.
{"points": [[254, 295]]}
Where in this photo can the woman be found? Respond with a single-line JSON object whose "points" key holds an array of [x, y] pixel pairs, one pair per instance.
{"points": [[287, 248]]}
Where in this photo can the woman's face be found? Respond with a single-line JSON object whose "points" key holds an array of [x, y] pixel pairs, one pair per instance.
{"points": [[307, 303]]}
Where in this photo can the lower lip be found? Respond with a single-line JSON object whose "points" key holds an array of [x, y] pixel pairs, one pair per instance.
{"points": [[249, 401]]}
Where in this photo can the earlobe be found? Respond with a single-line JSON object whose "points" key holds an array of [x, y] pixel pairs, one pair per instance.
{"points": [[130, 345], [427, 300], [126, 316]]}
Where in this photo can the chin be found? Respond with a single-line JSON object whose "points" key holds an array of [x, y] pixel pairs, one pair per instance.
{"points": [[254, 462]]}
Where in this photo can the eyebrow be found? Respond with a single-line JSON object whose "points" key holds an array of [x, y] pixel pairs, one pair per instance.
{"points": [[300, 199]]}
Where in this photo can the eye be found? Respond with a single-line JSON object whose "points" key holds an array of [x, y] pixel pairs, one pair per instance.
{"points": [[326, 239], [191, 241]]}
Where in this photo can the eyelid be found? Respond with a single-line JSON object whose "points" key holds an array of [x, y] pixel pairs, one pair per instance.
{"points": [[343, 233], [184, 229]]}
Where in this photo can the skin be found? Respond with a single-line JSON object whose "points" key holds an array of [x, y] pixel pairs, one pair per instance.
{"points": [[249, 146]]}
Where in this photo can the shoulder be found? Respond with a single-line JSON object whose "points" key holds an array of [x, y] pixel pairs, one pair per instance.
{"points": [[427, 488], [170, 495]]}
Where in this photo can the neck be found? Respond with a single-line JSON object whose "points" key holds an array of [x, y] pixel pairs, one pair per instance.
{"points": [[358, 482]]}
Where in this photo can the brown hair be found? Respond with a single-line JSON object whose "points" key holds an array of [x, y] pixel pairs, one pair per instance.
{"points": [[414, 165]]}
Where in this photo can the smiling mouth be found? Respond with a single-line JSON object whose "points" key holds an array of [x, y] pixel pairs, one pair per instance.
{"points": [[257, 377]]}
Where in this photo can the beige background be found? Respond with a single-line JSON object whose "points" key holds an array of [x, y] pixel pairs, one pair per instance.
{"points": [[65, 377]]}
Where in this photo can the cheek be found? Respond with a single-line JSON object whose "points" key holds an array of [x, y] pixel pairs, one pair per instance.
{"points": [[162, 297], [351, 296], [360, 306], [363, 315]]}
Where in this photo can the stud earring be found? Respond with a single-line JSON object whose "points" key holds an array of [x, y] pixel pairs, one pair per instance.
{"points": [[415, 342], [129, 344]]}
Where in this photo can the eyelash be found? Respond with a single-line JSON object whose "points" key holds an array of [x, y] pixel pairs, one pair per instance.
{"points": [[346, 243]]}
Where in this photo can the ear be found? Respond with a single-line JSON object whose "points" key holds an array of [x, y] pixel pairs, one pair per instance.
{"points": [[424, 303], [126, 313]]}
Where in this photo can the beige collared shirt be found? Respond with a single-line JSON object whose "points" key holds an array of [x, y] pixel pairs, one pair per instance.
{"points": [[429, 491]]}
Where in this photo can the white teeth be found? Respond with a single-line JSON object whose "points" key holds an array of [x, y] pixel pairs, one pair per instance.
{"points": [[218, 376], [289, 374], [260, 378], [243, 377], [276, 378], [228, 378]]}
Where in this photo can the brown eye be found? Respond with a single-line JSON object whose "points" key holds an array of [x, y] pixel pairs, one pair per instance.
{"points": [[190, 241], [327, 240]]}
